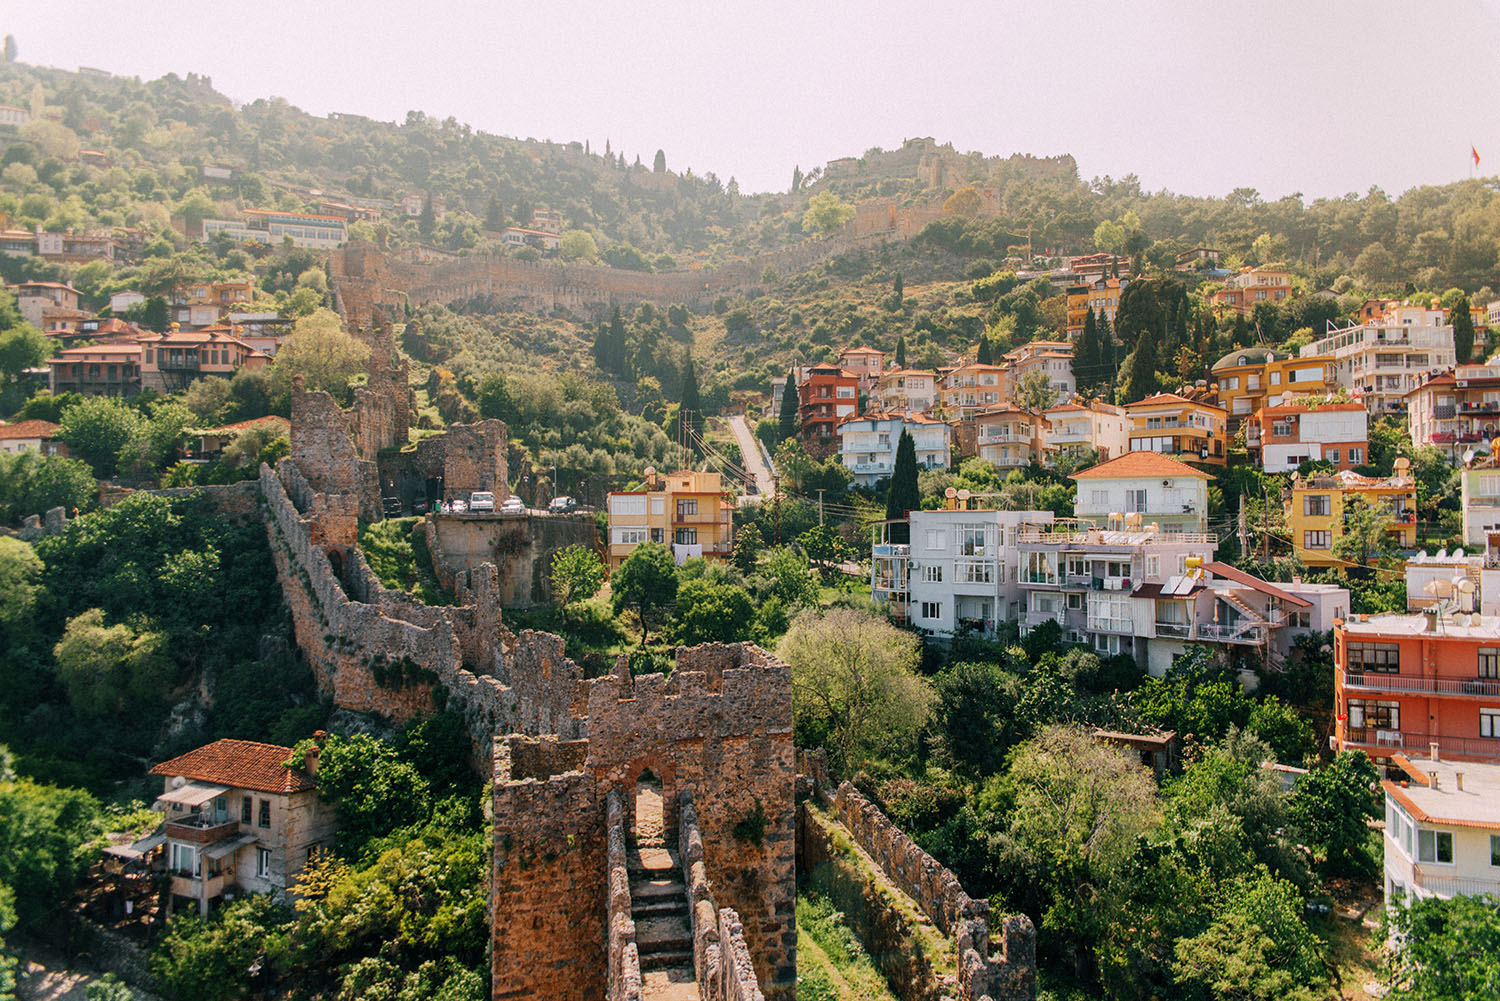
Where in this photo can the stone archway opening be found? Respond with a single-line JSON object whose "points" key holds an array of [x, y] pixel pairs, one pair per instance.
{"points": [[336, 561]]}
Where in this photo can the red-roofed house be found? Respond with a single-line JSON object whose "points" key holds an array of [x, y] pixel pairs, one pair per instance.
{"points": [[1173, 425], [1160, 489], [31, 436], [237, 819], [97, 370], [868, 442], [170, 361], [34, 297], [826, 395], [1009, 436]]}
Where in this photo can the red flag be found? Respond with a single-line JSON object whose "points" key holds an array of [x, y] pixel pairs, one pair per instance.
{"points": [[1475, 154]]}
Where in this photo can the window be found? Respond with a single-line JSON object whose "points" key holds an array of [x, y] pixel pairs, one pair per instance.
{"points": [[265, 813], [1077, 567], [686, 537], [1100, 499], [184, 859], [1281, 429], [1384, 658], [971, 540], [1435, 846], [656, 535], [1153, 566], [245, 810], [1317, 506], [1489, 722], [932, 574], [937, 539], [629, 536], [1356, 456], [1317, 540], [1495, 850], [1039, 568], [1380, 715], [1333, 456], [263, 862], [1135, 500], [686, 508], [1489, 662], [932, 609]]}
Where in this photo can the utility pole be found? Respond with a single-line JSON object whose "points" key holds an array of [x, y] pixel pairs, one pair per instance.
{"points": [[820, 507], [1243, 527]]}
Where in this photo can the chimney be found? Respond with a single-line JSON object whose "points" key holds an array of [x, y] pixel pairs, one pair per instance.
{"points": [[1433, 749], [1432, 780], [310, 759], [1458, 778]]}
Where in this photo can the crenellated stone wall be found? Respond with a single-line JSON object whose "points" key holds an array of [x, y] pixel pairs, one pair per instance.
{"points": [[624, 955], [549, 879]]}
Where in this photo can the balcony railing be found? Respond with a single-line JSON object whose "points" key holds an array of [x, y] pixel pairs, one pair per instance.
{"points": [[1239, 632], [1175, 630], [1478, 687], [200, 831], [1388, 741], [1454, 886]]}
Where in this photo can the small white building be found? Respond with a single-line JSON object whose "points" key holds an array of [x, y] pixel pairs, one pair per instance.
{"points": [[911, 389], [1442, 830], [959, 570], [1077, 429], [1479, 500], [1163, 491], [120, 301], [868, 442]]}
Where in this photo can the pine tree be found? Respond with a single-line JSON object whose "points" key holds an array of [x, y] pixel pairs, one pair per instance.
{"points": [[659, 165], [904, 495], [428, 219], [1463, 330], [1086, 352], [985, 355], [691, 408], [901, 352]]}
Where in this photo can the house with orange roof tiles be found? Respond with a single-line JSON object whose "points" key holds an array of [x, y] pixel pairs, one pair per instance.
{"points": [[1168, 424], [237, 817], [31, 436], [1158, 488], [867, 443]]}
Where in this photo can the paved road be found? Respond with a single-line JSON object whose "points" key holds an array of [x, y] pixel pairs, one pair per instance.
{"points": [[755, 464]]}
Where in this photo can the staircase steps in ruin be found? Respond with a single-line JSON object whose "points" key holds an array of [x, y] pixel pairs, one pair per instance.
{"points": [[663, 929]]}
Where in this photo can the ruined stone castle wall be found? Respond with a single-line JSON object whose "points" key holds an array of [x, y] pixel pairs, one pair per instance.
{"points": [[624, 954], [549, 883], [323, 447], [1003, 970], [720, 728], [721, 957]]}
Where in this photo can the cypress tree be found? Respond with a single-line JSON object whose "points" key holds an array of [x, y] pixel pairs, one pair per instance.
{"points": [[691, 406], [616, 342], [901, 352], [791, 417], [1142, 374], [1463, 330], [904, 494], [428, 219], [1106, 353], [1086, 352], [986, 355]]}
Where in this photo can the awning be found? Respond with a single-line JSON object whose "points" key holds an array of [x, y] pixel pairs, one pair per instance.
{"points": [[228, 847], [192, 794], [136, 849]]}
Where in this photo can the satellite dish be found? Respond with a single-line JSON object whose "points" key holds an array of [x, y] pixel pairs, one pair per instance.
{"points": [[963, 495], [950, 493], [1438, 587], [178, 782], [1402, 464], [1466, 586]]}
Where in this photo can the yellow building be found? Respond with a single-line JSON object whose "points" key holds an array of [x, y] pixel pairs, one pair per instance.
{"points": [[1315, 510], [1250, 378], [688, 512], [1184, 429]]}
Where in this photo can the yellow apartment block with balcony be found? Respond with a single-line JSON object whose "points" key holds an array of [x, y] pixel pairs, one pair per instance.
{"points": [[688, 512], [1186, 430], [1315, 510]]}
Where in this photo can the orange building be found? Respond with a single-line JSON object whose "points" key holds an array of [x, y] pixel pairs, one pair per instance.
{"points": [[1251, 287], [826, 395], [1403, 683]]}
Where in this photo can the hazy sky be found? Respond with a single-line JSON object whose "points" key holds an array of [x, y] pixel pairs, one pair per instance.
{"points": [[1312, 96]]}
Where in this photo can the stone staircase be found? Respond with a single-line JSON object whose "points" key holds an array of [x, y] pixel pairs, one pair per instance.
{"points": [[663, 928]]}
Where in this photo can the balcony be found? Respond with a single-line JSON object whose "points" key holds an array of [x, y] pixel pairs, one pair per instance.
{"points": [[1383, 743], [1445, 886], [891, 549], [173, 363], [1251, 633], [878, 468], [1175, 630], [199, 830], [198, 887], [1475, 687]]}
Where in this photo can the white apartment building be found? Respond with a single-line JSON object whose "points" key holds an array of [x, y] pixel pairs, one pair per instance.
{"points": [[1382, 360], [867, 444], [1479, 500], [1442, 830], [1075, 429], [1131, 589], [1052, 358], [958, 571], [1010, 437], [1163, 491], [906, 389], [1435, 581]]}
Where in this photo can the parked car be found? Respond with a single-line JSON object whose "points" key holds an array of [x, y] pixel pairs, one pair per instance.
{"points": [[481, 500], [419, 506], [513, 505], [391, 506], [457, 505], [562, 505]]}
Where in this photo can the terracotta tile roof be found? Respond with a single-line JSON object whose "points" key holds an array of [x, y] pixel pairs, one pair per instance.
{"points": [[1162, 399], [1302, 408], [861, 351], [1140, 464], [243, 764], [273, 421], [28, 429]]}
